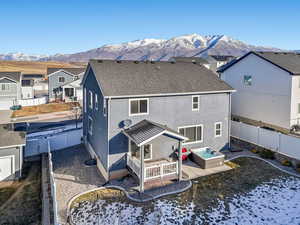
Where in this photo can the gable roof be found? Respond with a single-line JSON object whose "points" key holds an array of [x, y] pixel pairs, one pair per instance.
{"points": [[133, 78], [145, 131], [73, 71], [15, 76], [288, 61], [10, 138]]}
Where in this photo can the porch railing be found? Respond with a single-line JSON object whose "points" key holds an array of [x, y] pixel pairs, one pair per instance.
{"points": [[161, 170], [134, 164]]}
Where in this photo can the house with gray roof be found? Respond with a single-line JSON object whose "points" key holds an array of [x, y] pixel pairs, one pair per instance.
{"points": [[11, 153], [268, 87], [139, 116], [10, 89], [58, 77]]}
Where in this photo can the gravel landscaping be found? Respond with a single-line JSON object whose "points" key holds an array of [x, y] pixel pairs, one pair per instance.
{"points": [[252, 193]]}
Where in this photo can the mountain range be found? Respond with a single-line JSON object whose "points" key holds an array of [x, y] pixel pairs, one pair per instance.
{"points": [[154, 49]]}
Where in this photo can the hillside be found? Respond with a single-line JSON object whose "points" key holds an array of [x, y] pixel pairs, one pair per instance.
{"points": [[32, 66]]}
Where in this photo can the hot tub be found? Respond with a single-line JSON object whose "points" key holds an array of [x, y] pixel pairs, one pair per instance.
{"points": [[206, 158]]}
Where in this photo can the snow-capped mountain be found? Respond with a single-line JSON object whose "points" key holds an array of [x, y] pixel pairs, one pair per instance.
{"points": [[157, 49], [21, 57]]}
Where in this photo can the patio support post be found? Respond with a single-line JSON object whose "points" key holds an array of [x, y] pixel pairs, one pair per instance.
{"points": [[180, 161], [142, 168]]}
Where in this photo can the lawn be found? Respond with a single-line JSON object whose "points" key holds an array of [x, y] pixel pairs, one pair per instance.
{"points": [[25, 206], [45, 108], [252, 193]]}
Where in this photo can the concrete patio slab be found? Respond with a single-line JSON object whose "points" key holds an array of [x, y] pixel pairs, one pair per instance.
{"points": [[192, 170], [72, 177]]}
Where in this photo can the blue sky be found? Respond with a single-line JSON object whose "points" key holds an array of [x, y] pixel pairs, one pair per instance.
{"points": [[68, 26]]}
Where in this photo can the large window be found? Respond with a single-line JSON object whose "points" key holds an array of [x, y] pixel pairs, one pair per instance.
{"points": [[196, 103], [218, 129], [138, 106], [4, 87], [247, 80], [193, 133], [61, 79], [91, 99], [135, 151], [90, 126]]}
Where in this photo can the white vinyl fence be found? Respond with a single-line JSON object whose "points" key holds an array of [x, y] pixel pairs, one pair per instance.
{"points": [[37, 144], [33, 101], [278, 142]]}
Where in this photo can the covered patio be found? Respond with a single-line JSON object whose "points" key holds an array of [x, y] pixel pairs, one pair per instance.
{"points": [[153, 152]]}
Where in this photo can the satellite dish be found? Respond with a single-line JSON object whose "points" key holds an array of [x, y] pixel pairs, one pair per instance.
{"points": [[127, 123]]}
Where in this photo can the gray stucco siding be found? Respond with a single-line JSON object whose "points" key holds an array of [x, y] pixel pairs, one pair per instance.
{"points": [[98, 140], [17, 152], [175, 112], [53, 81]]}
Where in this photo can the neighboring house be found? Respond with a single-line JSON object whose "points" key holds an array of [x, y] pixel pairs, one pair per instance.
{"points": [[268, 87], [221, 59], [132, 107], [40, 85], [11, 153], [73, 91], [196, 60], [27, 88], [57, 77], [10, 89]]}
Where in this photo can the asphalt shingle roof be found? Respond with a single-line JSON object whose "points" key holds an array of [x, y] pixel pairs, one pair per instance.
{"points": [[133, 78], [145, 130], [288, 61], [12, 75], [10, 138], [74, 71]]}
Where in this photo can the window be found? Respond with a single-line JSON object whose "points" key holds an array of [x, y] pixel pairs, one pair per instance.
{"points": [[135, 151], [196, 103], [91, 99], [218, 129], [194, 133], [4, 87], [90, 126], [96, 102], [85, 102], [138, 106], [298, 108], [247, 80], [61, 79]]}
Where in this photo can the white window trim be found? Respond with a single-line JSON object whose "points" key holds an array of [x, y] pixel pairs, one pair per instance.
{"points": [[150, 153], [221, 128], [104, 109], [138, 114], [194, 142], [60, 81], [193, 96], [246, 85], [90, 129], [96, 102], [90, 99]]}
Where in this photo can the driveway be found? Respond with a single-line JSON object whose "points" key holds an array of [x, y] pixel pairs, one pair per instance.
{"points": [[5, 116], [72, 177]]}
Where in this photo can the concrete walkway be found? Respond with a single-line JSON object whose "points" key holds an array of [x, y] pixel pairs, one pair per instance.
{"points": [[246, 153], [73, 177]]}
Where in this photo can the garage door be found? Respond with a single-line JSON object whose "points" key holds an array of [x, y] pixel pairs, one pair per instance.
{"points": [[6, 167], [6, 104]]}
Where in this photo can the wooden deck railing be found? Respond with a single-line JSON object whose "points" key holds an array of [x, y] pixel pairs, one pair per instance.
{"points": [[161, 170]]}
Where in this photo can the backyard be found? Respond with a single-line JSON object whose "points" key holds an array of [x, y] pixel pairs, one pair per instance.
{"points": [[20, 201], [45, 108], [253, 192]]}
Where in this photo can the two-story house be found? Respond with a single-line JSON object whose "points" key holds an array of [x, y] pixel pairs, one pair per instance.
{"points": [[10, 89], [138, 114], [268, 87], [58, 77]]}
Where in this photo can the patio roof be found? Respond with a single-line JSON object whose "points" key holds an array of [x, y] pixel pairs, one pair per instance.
{"points": [[145, 131]]}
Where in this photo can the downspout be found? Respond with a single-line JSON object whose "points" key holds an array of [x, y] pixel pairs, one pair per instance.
{"points": [[229, 122]]}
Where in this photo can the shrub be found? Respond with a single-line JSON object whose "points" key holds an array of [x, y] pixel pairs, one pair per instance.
{"points": [[286, 162], [267, 154]]}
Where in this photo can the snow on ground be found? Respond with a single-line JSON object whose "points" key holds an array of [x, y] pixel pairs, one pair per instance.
{"points": [[275, 202]]}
